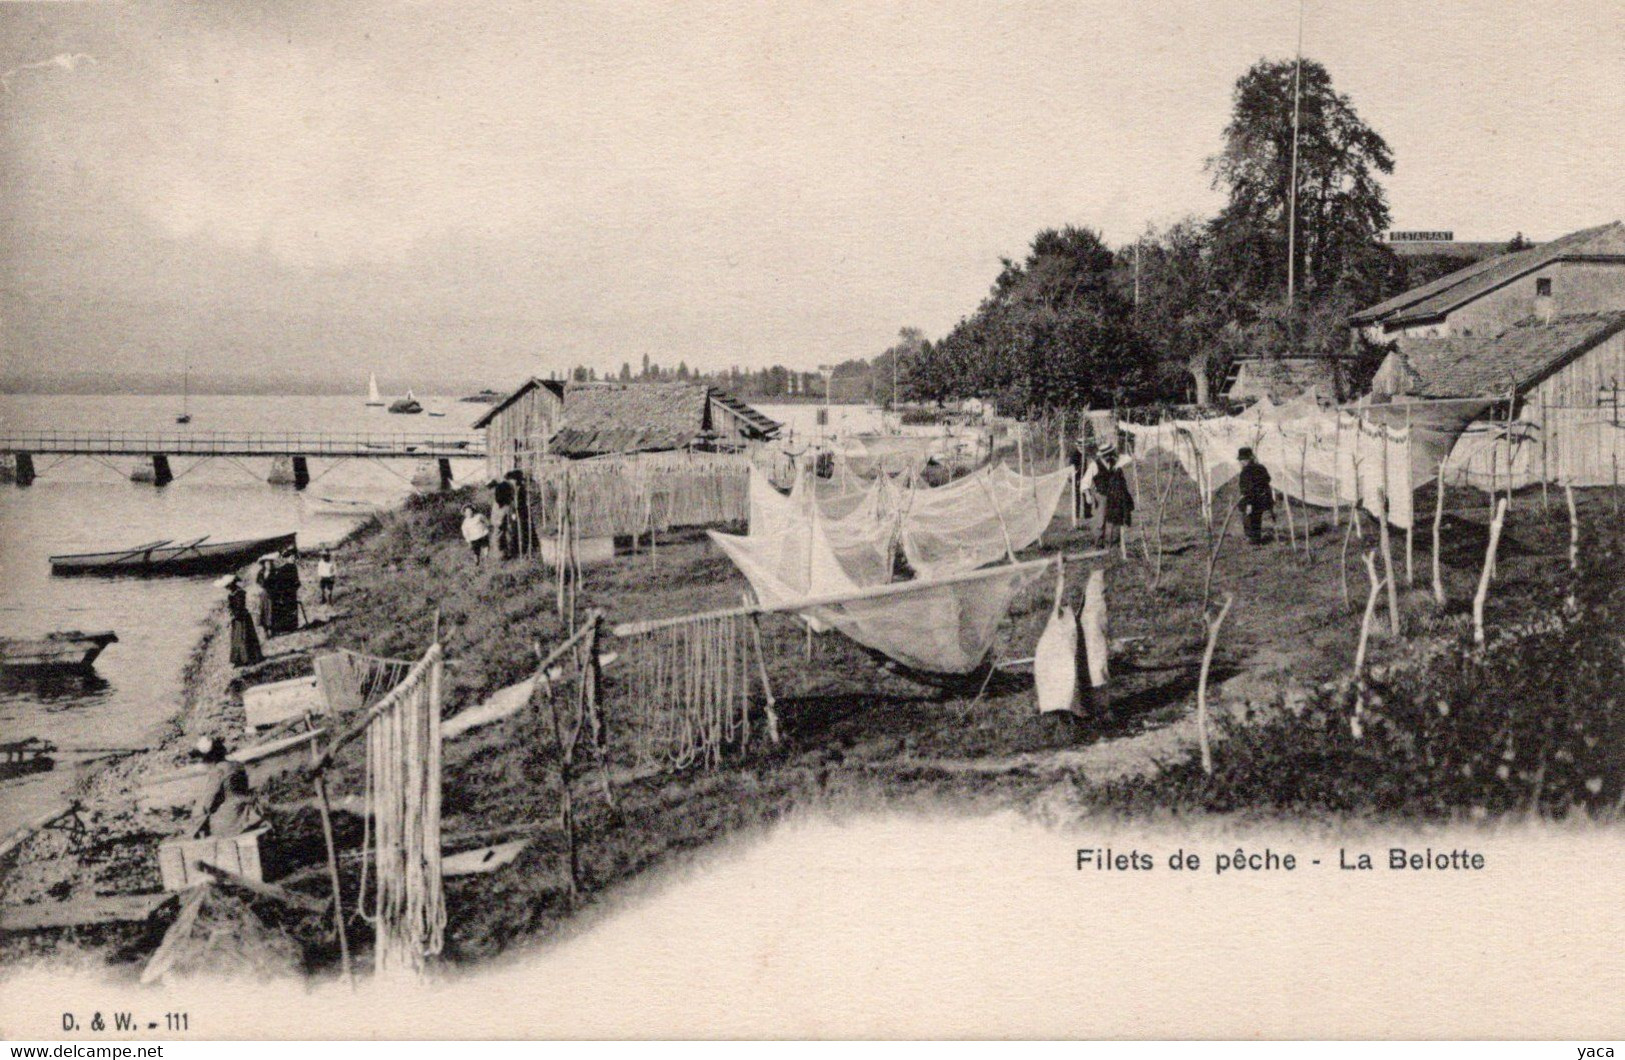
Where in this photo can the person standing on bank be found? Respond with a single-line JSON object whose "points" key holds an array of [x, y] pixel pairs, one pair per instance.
{"points": [[1256, 495], [1080, 501], [524, 530], [326, 575], [502, 520], [262, 600], [1112, 485], [245, 643], [282, 585], [476, 531]]}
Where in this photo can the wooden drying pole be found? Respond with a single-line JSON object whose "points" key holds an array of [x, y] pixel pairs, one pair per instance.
{"points": [[1162, 505], [1410, 487], [1574, 528], [770, 703], [1343, 568], [1370, 613], [1488, 571], [1365, 639], [1388, 566], [1201, 682], [324, 804], [591, 631], [1213, 558], [1438, 520]]}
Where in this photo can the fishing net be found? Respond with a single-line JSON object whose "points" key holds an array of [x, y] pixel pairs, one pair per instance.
{"points": [[938, 626], [1373, 457], [350, 680], [868, 455], [626, 495], [684, 691], [976, 520], [403, 821], [946, 626]]}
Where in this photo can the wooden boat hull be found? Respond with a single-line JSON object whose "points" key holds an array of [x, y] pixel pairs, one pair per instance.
{"points": [[11, 769], [167, 558], [60, 651], [22, 757]]}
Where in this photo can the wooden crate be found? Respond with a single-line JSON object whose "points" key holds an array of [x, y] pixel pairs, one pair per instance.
{"points": [[280, 701], [178, 859], [268, 760]]}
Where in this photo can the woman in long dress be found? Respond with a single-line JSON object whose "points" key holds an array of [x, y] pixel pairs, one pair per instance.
{"points": [[262, 580], [245, 643], [1112, 485]]}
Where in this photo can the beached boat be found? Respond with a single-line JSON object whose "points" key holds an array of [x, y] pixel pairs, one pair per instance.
{"points": [[69, 650], [374, 399], [406, 406], [19, 758], [168, 557]]}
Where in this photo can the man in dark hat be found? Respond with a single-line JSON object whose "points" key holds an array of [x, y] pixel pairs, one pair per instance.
{"points": [[1256, 495]]}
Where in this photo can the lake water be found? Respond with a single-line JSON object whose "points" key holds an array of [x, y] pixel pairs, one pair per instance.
{"points": [[85, 504]]}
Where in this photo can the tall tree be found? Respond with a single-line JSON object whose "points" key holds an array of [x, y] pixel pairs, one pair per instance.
{"points": [[1341, 205], [1053, 331]]}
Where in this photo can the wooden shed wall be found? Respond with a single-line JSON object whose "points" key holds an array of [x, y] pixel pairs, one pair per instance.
{"points": [[730, 429], [521, 429], [1584, 441], [1572, 431]]}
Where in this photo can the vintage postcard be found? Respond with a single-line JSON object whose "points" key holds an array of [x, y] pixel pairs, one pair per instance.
{"points": [[854, 520]]}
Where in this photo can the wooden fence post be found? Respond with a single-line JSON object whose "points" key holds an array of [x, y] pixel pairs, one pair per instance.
{"points": [[1488, 571], [1201, 683], [1388, 568], [1438, 519]]}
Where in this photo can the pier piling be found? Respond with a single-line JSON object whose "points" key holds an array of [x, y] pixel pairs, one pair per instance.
{"points": [[282, 472], [23, 471]]}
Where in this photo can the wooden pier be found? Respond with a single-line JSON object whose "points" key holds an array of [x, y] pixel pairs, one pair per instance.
{"points": [[289, 451]]}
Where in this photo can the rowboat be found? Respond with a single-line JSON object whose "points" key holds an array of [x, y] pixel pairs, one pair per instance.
{"points": [[69, 649], [19, 758], [167, 557]]}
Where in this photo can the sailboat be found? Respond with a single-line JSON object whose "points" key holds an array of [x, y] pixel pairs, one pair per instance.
{"points": [[372, 391], [407, 405], [186, 397]]}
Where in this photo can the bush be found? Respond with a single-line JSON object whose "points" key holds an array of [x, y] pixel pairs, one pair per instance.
{"points": [[1533, 723]]}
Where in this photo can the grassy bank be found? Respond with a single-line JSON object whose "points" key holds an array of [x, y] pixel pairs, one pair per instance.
{"points": [[857, 734]]}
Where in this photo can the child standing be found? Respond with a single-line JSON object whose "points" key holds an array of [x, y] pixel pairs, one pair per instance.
{"points": [[326, 573]]}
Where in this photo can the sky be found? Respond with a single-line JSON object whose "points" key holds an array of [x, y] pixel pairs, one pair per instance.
{"points": [[479, 191]]}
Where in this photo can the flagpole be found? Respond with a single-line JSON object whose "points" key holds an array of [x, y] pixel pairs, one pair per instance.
{"points": [[1292, 190]]}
